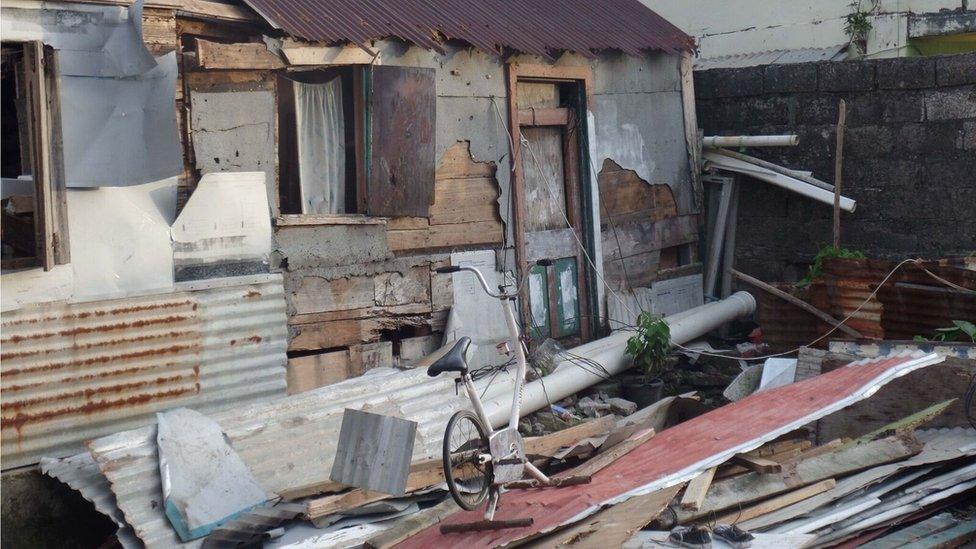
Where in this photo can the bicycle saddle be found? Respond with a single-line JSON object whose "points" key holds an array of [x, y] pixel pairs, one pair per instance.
{"points": [[453, 361]]}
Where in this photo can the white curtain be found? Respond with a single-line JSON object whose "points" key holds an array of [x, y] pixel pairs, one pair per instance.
{"points": [[321, 147]]}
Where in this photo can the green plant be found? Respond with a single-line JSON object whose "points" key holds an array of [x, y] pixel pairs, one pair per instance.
{"points": [[959, 331], [857, 24], [826, 252], [651, 344]]}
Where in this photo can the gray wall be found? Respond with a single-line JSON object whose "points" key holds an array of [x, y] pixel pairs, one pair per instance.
{"points": [[909, 156]]}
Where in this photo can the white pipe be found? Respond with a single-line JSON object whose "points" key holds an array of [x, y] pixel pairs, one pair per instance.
{"points": [[778, 179], [751, 140], [568, 378]]}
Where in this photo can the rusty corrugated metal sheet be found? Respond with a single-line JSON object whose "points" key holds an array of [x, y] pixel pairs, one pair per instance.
{"points": [[76, 371], [786, 326], [540, 27], [679, 453]]}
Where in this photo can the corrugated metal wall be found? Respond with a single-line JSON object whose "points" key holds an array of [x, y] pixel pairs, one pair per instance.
{"points": [[75, 371]]}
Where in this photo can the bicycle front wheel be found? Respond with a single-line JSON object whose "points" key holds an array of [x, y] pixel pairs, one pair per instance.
{"points": [[465, 441]]}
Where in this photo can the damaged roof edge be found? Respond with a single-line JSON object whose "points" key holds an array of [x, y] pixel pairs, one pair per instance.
{"points": [[538, 27]]}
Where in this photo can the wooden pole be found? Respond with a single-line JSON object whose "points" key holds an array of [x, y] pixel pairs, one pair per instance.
{"points": [[838, 167]]}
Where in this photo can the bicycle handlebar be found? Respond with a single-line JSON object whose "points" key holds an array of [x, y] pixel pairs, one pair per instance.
{"points": [[481, 278]]}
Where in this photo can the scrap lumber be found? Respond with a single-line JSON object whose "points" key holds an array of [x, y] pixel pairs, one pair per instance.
{"points": [[798, 302], [906, 424], [751, 487], [613, 454], [613, 526], [547, 445], [776, 503], [915, 533], [757, 464], [247, 55], [412, 524], [695, 491], [482, 525]]}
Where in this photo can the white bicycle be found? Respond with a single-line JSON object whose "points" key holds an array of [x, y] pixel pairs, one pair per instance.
{"points": [[478, 460]]}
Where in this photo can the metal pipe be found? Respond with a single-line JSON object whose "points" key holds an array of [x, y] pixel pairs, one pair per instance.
{"points": [[569, 378], [789, 182], [750, 140]]}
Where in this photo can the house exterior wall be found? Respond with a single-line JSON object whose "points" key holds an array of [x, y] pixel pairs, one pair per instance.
{"points": [[909, 156], [751, 26]]}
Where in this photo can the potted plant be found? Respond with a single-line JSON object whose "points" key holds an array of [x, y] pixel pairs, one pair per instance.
{"points": [[649, 348]]}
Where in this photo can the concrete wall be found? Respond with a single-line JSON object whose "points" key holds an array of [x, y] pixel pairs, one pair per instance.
{"points": [[909, 156], [750, 26]]}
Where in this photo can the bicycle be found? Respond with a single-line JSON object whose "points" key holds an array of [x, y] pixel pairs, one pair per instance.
{"points": [[479, 461]]}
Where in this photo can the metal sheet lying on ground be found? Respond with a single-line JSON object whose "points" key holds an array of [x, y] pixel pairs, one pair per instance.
{"points": [[679, 453], [287, 443], [76, 371], [540, 27]]}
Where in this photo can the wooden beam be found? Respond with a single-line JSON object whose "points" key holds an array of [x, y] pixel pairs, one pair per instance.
{"points": [[757, 464], [798, 302], [548, 444], [776, 503], [692, 139], [838, 167], [247, 55], [695, 491], [604, 459]]}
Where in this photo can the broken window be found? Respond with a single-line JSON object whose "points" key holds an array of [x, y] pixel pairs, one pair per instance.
{"points": [[33, 228], [356, 140]]}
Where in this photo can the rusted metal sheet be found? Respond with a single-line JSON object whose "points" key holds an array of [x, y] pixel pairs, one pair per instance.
{"points": [[911, 303], [76, 371], [401, 154], [540, 27]]}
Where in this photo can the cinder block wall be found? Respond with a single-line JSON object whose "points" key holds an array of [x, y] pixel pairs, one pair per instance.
{"points": [[909, 156]]}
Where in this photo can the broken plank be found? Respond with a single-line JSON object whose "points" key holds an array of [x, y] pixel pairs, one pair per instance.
{"points": [[776, 503], [457, 162], [464, 200], [300, 53], [329, 335], [546, 445], [482, 525], [906, 424], [408, 526], [751, 487], [604, 459], [247, 55], [446, 236], [695, 491], [365, 312], [757, 464]]}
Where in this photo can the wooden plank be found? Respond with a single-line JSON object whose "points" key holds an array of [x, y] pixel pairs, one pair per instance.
{"points": [[401, 288], [649, 235], [604, 459], [40, 127], [159, 30], [367, 356], [59, 193], [365, 312], [329, 335], [551, 244], [292, 220], [457, 163], [738, 491], [228, 80], [624, 193], [757, 464], [311, 372], [778, 502], [907, 424], [405, 527], [406, 223], [446, 236], [914, 534], [558, 116], [613, 526], [464, 200], [246, 55], [953, 537], [692, 134], [300, 53], [695, 491], [636, 271], [316, 294], [548, 444]]}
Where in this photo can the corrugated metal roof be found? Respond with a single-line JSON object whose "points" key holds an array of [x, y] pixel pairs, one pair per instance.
{"points": [[773, 57], [76, 371], [540, 27], [677, 454], [287, 443]]}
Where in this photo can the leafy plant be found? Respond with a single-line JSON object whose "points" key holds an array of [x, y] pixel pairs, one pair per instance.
{"points": [[826, 252], [857, 24], [651, 344], [959, 331]]}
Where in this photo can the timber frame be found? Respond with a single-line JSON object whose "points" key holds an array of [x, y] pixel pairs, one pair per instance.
{"points": [[579, 210]]}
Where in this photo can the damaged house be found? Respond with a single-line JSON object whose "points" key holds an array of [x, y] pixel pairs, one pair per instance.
{"points": [[213, 203]]}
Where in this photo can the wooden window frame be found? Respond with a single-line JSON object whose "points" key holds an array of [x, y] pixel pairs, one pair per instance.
{"points": [[46, 147], [581, 76]]}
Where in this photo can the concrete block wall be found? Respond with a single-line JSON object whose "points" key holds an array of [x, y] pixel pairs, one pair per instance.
{"points": [[909, 156]]}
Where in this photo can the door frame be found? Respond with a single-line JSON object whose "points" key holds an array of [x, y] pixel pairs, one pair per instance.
{"points": [[579, 185]]}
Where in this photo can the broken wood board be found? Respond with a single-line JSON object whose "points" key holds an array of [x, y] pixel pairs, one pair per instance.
{"points": [[446, 236], [612, 526], [757, 464], [696, 490], [612, 454], [247, 55], [775, 503], [907, 424], [751, 487], [547, 445], [408, 526]]}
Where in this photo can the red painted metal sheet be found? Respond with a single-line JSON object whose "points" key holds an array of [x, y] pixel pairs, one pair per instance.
{"points": [[749, 420], [540, 27]]}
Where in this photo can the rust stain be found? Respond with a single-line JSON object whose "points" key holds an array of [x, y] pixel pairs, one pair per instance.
{"points": [[102, 328], [252, 294], [88, 393], [109, 343], [172, 349], [96, 376], [20, 420], [118, 311]]}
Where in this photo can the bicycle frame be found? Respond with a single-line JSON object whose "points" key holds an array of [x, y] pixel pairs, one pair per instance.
{"points": [[515, 341]]}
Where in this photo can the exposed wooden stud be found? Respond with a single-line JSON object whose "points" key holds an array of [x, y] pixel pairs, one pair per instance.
{"points": [[838, 167], [696, 489], [692, 135]]}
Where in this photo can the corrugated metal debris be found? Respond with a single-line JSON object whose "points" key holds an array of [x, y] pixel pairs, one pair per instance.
{"points": [[684, 451], [539, 27], [76, 371]]}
